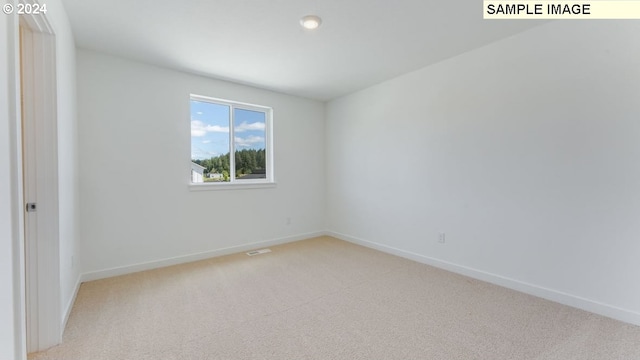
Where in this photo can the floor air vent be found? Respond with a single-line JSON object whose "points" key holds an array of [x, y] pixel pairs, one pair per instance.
{"points": [[258, 252]]}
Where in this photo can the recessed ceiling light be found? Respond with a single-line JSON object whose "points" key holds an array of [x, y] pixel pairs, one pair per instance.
{"points": [[311, 22]]}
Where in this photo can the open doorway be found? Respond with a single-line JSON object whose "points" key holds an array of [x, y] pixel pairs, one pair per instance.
{"points": [[40, 182]]}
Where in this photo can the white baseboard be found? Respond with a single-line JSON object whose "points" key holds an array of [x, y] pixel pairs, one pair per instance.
{"points": [[107, 273], [610, 311], [67, 309]]}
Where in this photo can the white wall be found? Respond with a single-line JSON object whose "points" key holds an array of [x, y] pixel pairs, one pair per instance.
{"points": [[135, 118], [68, 180], [525, 153], [11, 316]]}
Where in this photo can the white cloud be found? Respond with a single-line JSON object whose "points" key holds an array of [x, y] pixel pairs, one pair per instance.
{"points": [[217, 128], [199, 129], [244, 126], [206, 141], [198, 153], [249, 141]]}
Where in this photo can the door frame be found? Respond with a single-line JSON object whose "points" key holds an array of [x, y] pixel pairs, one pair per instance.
{"points": [[38, 97], [10, 65]]}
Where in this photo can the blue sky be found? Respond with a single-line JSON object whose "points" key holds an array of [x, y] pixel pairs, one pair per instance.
{"points": [[210, 129]]}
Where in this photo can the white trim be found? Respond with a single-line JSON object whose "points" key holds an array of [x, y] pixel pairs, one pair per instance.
{"points": [[11, 54], [103, 274], [230, 103], [69, 307], [232, 143], [38, 23], [230, 186], [610, 311]]}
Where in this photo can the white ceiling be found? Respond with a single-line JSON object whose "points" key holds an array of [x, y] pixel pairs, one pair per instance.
{"points": [[260, 42]]}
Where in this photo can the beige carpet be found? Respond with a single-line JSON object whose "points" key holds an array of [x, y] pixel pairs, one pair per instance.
{"points": [[326, 299]]}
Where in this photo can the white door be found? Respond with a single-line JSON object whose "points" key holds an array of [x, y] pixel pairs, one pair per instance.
{"points": [[40, 183]]}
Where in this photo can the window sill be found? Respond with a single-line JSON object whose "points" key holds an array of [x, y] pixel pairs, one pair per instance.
{"points": [[228, 186]]}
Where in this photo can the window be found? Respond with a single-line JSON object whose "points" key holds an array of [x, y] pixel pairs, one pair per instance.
{"points": [[220, 128]]}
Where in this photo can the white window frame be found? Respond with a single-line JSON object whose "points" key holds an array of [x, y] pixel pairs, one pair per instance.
{"points": [[233, 183]]}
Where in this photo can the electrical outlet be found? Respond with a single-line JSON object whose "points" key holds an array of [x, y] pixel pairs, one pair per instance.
{"points": [[441, 238]]}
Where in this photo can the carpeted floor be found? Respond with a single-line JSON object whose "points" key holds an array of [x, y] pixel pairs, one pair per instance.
{"points": [[326, 299]]}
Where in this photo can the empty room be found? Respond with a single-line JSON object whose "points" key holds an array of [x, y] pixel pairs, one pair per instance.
{"points": [[305, 179]]}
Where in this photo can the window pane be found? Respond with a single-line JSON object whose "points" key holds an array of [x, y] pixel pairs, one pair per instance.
{"points": [[249, 139], [210, 141]]}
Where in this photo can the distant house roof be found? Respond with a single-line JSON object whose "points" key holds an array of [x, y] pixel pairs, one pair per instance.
{"points": [[197, 168]]}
